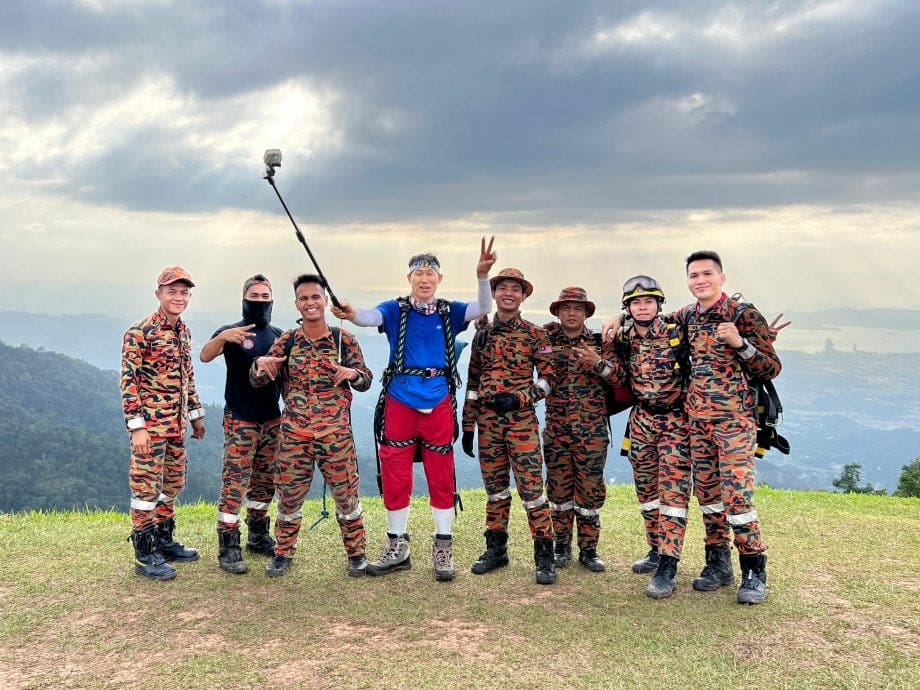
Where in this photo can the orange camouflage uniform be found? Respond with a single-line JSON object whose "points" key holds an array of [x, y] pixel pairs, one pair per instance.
{"points": [[503, 358], [158, 394], [575, 439], [316, 431], [657, 430], [721, 411]]}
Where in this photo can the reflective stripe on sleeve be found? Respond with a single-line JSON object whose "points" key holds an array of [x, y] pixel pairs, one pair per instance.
{"points": [[742, 519], [196, 414]]}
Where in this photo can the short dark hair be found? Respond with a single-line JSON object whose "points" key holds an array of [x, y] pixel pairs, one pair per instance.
{"points": [[703, 255], [309, 278]]}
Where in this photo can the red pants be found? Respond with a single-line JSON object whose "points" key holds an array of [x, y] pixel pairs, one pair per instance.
{"points": [[155, 480], [401, 423]]}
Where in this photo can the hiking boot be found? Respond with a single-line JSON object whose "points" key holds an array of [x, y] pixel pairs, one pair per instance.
{"points": [[718, 570], [278, 566], [171, 549], [496, 554], [148, 561], [544, 560], [357, 566], [395, 556], [664, 582], [229, 556], [442, 555], [563, 552], [588, 559], [259, 540], [649, 564], [753, 588]]}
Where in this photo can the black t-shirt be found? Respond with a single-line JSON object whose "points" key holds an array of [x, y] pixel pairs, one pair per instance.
{"points": [[243, 401]]}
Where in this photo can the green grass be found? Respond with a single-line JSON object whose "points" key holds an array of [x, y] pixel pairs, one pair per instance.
{"points": [[843, 610]]}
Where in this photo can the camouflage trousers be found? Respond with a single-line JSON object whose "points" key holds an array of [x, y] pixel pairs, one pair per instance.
{"points": [[660, 458], [156, 479], [334, 454], [511, 443], [248, 470], [575, 457], [723, 474]]}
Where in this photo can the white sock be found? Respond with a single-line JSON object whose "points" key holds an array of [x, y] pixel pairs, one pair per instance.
{"points": [[398, 520], [443, 520]]}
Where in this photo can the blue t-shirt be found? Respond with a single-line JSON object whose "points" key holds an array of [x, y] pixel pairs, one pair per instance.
{"points": [[424, 350]]}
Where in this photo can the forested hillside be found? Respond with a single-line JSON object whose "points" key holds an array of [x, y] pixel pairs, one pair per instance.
{"points": [[62, 437]]}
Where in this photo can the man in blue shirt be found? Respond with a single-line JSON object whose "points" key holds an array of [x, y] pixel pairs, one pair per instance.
{"points": [[418, 409]]}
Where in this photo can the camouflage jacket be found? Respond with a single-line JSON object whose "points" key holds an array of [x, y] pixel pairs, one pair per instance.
{"points": [[502, 360], [157, 380], [313, 406], [720, 379], [579, 396], [654, 373]]}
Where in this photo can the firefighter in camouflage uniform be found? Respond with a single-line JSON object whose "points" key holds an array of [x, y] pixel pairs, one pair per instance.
{"points": [[655, 367], [159, 400], [730, 344], [320, 367], [501, 394], [576, 434]]}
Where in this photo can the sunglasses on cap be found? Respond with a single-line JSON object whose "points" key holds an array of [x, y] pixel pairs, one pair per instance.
{"points": [[640, 282]]}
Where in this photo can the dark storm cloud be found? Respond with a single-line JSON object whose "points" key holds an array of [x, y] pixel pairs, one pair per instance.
{"points": [[540, 109]]}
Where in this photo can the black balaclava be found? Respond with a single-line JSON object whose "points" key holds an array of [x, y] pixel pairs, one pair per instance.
{"points": [[257, 312]]}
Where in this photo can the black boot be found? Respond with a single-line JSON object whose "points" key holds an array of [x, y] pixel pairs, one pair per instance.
{"points": [[229, 555], [278, 566], [588, 559], [259, 540], [148, 561], [496, 553], [718, 570], [171, 549], [563, 551], [753, 588], [357, 566], [664, 582], [543, 558], [648, 564]]}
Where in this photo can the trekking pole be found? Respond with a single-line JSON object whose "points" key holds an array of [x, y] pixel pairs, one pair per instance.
{"points": [[272, 160], [324, 513]]}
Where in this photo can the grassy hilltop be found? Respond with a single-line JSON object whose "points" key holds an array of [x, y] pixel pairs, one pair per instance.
{"points": [[843, 611]]}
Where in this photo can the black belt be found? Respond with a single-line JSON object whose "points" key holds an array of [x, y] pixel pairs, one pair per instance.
{"points": [[655, 409]]}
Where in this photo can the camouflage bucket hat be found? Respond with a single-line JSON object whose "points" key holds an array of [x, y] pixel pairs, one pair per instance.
{"points": [[512, 274], [573, 294]]}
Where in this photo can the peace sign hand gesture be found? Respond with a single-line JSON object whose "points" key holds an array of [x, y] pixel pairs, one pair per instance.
{"points": [[487, 258]]}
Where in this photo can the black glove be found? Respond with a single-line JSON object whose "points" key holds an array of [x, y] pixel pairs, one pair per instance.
{"points": [[468, 443], [503, 403]]}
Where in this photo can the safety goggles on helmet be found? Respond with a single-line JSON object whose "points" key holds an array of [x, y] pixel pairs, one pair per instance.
{"points": [[641, 286]]}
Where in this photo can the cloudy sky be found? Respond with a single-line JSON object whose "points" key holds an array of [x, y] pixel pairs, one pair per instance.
{"points": [[594, 139]]}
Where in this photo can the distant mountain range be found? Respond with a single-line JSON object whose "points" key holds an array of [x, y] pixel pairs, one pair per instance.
{"points": [[840, 407]]}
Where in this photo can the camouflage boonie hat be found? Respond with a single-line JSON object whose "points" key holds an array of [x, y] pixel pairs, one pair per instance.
{"points": [[174, 274], [512, 274], [573, 294]]}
